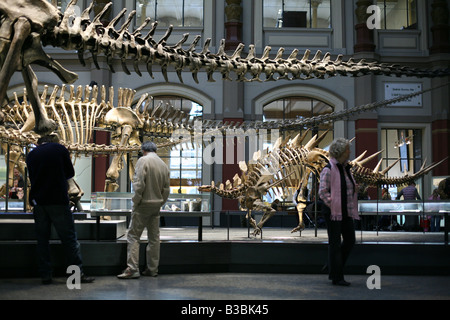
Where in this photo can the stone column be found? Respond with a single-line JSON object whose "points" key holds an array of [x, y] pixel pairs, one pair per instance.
{"points": [[143, 4], [440, 29], [315, 5], [441, 123], [366, 124], [233, 96], [441, 146], [233, 24], [364, 36]]}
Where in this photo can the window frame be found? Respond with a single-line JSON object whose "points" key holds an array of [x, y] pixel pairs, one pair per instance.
{"points": [[183, 16], [309, 15], [198, 151], [384, 20], [289, 132]]}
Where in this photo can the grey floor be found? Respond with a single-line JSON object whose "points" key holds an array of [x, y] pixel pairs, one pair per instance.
{"points": [[230, 286], [243, 286]]}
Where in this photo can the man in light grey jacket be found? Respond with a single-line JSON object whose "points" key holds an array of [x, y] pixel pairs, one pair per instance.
{"points": [[151, 189]]}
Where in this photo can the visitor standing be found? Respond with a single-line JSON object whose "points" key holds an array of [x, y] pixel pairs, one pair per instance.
{"points": [[49, 167], [435, 219], [338, 192], [410, 193], [151, 186]]}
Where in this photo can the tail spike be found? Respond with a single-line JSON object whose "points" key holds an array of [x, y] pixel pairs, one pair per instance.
{"points": [[423, 165], [311, 143], [370, 157], [390, 167], [378, 166], [360, 157]]}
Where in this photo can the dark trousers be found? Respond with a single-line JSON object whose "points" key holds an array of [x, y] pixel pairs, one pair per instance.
{"points": [[338, 249], [62, 220]]}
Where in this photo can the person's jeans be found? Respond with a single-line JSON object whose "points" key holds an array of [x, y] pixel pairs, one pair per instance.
{"points": [[435, 223], [62, 219], [338, 251]]}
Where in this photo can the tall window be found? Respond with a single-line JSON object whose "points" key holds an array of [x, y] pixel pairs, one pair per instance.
{"points": [[297, 108], [179, 13], [297, 13], [405, 144], [398, 14], [184, 162]]}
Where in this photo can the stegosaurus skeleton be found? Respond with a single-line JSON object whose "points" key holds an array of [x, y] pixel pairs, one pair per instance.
{"points": [[288, 167]]}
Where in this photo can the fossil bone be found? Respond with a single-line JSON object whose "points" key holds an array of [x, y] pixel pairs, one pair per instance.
{"points": [[28, 26]]}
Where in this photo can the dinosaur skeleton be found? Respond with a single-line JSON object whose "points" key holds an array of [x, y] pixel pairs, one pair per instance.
{"points": [[82, 110], [288, 167], [28, 26]]}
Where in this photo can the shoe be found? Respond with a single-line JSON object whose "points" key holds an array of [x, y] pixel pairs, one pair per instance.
{"points": [[47, 281], [341, 283], [148, 273], [129, 274], [86, 279]]}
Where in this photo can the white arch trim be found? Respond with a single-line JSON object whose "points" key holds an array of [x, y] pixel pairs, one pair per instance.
{"points": [[178, 90], [311, 91]]}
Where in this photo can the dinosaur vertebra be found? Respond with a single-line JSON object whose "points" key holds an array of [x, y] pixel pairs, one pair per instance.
{"points": [[27, 26]]}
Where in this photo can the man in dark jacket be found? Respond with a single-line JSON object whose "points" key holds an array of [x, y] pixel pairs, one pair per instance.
{"points": [[49, 168]]}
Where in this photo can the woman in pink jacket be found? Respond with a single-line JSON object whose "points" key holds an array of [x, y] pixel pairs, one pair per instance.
{"points": [[339, 194]]}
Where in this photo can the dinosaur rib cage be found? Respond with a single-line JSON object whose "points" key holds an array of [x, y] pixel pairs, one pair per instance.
{"points": [[80, 111]]}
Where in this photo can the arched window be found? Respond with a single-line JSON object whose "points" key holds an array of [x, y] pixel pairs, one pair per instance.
{"points": [[184, 162], [297, 108]]}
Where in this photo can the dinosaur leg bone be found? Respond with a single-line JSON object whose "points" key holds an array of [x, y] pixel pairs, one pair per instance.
{"points": [[43, 125], [12, 62], [301, 201], [251, 220], [75, 194], [266, 216], [117, 163]]}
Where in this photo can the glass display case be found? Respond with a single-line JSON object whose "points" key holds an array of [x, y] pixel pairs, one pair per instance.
{"points": [[111, 201], [121, 202], [13, 205], [188, 202], [373, 207]]}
